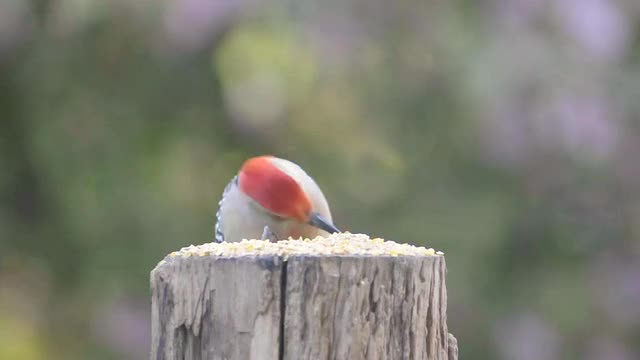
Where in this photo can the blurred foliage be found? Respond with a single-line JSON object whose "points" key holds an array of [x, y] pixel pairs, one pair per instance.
{"points": [[504, 132]]}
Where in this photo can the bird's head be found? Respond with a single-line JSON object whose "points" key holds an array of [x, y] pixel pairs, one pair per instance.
{"points": [[276, 187]]}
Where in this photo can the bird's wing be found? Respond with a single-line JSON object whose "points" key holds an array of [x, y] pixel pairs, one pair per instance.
{"points": [[219, 231]]}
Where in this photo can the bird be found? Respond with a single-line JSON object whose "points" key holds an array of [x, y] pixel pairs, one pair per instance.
{"points": [[272, 199]]}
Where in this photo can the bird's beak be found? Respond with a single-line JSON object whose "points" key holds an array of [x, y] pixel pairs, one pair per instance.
{"points": [[319, 222]]}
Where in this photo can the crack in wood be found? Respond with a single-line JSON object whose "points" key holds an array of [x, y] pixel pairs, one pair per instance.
{"points": [[306, 307]]}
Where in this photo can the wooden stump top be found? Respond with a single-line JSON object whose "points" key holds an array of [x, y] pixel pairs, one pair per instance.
{"points": [[343, 297]]}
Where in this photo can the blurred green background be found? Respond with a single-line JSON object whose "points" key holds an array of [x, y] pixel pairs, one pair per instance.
{"points": [[503, 132]]}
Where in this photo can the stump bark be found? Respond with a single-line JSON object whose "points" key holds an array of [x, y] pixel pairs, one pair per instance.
{"points": [[307, 307]]}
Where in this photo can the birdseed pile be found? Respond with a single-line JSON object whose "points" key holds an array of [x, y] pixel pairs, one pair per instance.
{"points": [[336, 244]]}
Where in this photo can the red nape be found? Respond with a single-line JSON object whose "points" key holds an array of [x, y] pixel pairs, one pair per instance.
{"points": [[273, 189]]}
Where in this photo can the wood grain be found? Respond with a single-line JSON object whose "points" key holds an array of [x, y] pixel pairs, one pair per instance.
{"points": [[326, 307]]}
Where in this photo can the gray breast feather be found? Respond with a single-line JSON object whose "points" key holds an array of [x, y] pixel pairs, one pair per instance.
{"points": [[219, 230]]}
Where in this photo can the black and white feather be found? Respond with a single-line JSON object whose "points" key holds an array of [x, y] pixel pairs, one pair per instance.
{"points": [[219, 230]]}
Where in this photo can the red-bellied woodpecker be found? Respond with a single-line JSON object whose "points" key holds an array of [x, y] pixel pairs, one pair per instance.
{"points": [[272, 198]]}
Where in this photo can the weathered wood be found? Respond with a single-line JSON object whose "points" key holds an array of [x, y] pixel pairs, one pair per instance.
{"points": [[366, 308], [216, 308], [327, 307]]}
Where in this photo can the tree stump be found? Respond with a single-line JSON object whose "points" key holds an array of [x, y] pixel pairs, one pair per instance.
{"points": [[300, 306]]}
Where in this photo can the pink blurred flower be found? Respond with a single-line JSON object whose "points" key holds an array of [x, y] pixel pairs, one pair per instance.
{"points": [[607, 348], [123, 325], [599, 26], [617, 291], [190, 24], [15, 23], [586, 126], [526, 336]]}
